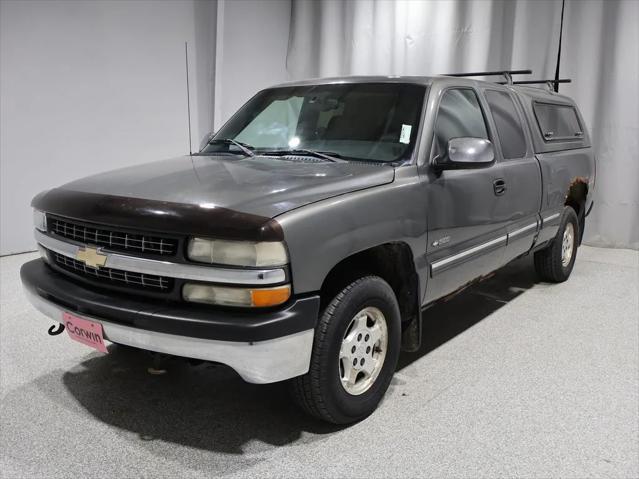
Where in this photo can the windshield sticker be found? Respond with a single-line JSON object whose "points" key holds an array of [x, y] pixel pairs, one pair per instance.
{"points": [[404, 136]]}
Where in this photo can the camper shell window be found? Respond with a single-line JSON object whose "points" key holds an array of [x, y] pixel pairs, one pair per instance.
{"points": [[557, 121]]}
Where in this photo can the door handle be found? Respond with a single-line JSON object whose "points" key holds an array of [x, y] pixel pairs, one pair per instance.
{"points": [[499, 186]]}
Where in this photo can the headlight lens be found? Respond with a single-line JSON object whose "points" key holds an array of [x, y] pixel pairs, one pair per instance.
{"points": [[39, 220], [237, 253], [226, 296]]}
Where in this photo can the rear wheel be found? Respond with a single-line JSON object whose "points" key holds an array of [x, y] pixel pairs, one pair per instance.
{"points": [[555, 262], [355, 352]]}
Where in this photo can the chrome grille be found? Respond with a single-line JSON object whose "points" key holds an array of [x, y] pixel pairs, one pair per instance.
{"points": [[113, 239], [116, 276]]}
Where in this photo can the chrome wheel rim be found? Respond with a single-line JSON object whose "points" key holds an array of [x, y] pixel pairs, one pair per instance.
{"points": [[363, 350], [567, 244]]}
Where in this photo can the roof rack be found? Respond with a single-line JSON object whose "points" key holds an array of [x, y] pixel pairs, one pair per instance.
{"points": [[549, 83], [505, 73]]}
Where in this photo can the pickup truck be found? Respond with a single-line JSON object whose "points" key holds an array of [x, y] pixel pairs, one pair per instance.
{"points": [[307, 238]]}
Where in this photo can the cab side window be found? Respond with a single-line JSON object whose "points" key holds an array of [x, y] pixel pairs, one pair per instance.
{"points": [[508, 124], [459, 116]]}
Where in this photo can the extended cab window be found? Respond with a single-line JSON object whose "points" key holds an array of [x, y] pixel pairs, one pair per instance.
{"points": [[509, 129], [459, 116], [353, 121], [557, 122]]}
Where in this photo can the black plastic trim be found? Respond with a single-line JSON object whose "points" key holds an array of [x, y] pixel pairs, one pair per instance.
{"points": [[191, 320], [163, 217]]}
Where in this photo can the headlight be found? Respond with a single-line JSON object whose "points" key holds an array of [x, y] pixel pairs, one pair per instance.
{"points": [[39, 220], [226, 296], [237, 253]]}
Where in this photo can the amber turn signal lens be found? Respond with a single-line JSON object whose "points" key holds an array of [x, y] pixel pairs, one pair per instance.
{"points": [[231, 296], [271, 296]]}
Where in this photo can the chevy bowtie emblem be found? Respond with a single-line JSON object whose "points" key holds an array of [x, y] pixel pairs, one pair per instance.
{"points": [[91, 257]]}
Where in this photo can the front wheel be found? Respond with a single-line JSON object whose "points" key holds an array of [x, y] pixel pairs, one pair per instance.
{"points": [[555, 262], [355, 352]]}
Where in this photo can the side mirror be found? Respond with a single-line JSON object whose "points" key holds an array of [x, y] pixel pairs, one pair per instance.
{"points": [[466, 153]]}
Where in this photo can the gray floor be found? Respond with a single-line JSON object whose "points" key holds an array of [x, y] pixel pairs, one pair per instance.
{"points": [[515, 379]]}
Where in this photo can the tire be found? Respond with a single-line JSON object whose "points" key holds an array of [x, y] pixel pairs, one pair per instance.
{"points": [[333, 389], [555, 262]]}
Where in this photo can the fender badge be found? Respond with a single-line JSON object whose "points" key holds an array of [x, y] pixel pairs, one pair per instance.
{"points": [[91, 257], [441, 241]]}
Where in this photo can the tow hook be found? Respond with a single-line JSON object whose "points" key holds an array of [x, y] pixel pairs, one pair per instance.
{"points": [[52, 330]]}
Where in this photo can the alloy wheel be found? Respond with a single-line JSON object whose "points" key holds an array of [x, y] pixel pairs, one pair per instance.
{"points": [[363, 350]]}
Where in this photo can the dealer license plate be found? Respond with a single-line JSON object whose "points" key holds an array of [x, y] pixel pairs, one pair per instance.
{"points": [[84, 331]]}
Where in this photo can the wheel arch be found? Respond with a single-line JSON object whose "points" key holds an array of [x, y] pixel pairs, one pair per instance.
{"points": [[392, 262], [576, 198]]}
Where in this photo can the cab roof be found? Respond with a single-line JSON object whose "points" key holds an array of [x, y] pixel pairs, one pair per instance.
{"points": [[531, 92]]}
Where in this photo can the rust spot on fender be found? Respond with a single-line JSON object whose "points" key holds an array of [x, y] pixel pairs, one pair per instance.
{"points": [[579, 179], [576, 184]]}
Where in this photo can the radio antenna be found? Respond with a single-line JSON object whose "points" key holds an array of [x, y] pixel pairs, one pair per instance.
{"points": [[188, 96], [561, 31]]}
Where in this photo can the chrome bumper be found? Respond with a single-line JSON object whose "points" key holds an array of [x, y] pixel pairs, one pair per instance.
{"points": [[256, 362]]}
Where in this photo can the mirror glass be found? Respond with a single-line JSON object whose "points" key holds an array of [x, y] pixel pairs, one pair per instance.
{"points": [[467, 153]]}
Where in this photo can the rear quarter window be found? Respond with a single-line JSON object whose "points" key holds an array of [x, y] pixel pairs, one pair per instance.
{"points": [[508, 123], [557, 122]]}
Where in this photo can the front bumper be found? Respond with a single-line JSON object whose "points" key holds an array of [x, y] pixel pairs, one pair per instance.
{"points": [[261, 347]]}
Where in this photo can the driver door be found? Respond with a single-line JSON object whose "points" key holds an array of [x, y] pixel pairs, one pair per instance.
{"points": [[466, 235]]}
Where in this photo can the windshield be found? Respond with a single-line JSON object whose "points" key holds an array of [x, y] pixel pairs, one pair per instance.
{"points": [[356, 121]]}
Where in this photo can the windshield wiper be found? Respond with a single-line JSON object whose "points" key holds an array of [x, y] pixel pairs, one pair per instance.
{"points": [[330, 156], [246, 149]]}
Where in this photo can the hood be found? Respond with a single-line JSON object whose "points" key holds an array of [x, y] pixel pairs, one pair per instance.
{"points": [[263, 186]]}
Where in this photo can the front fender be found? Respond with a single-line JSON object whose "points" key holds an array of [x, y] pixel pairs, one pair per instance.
{"points": [[322, 234]]}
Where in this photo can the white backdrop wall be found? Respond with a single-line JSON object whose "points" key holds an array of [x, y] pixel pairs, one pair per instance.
{"points": [[252, 41], [91, 86], [202, 64], [600, 53]]}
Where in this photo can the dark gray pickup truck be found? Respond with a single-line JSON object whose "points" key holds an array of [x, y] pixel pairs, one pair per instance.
{"points": [[308, 236]]}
